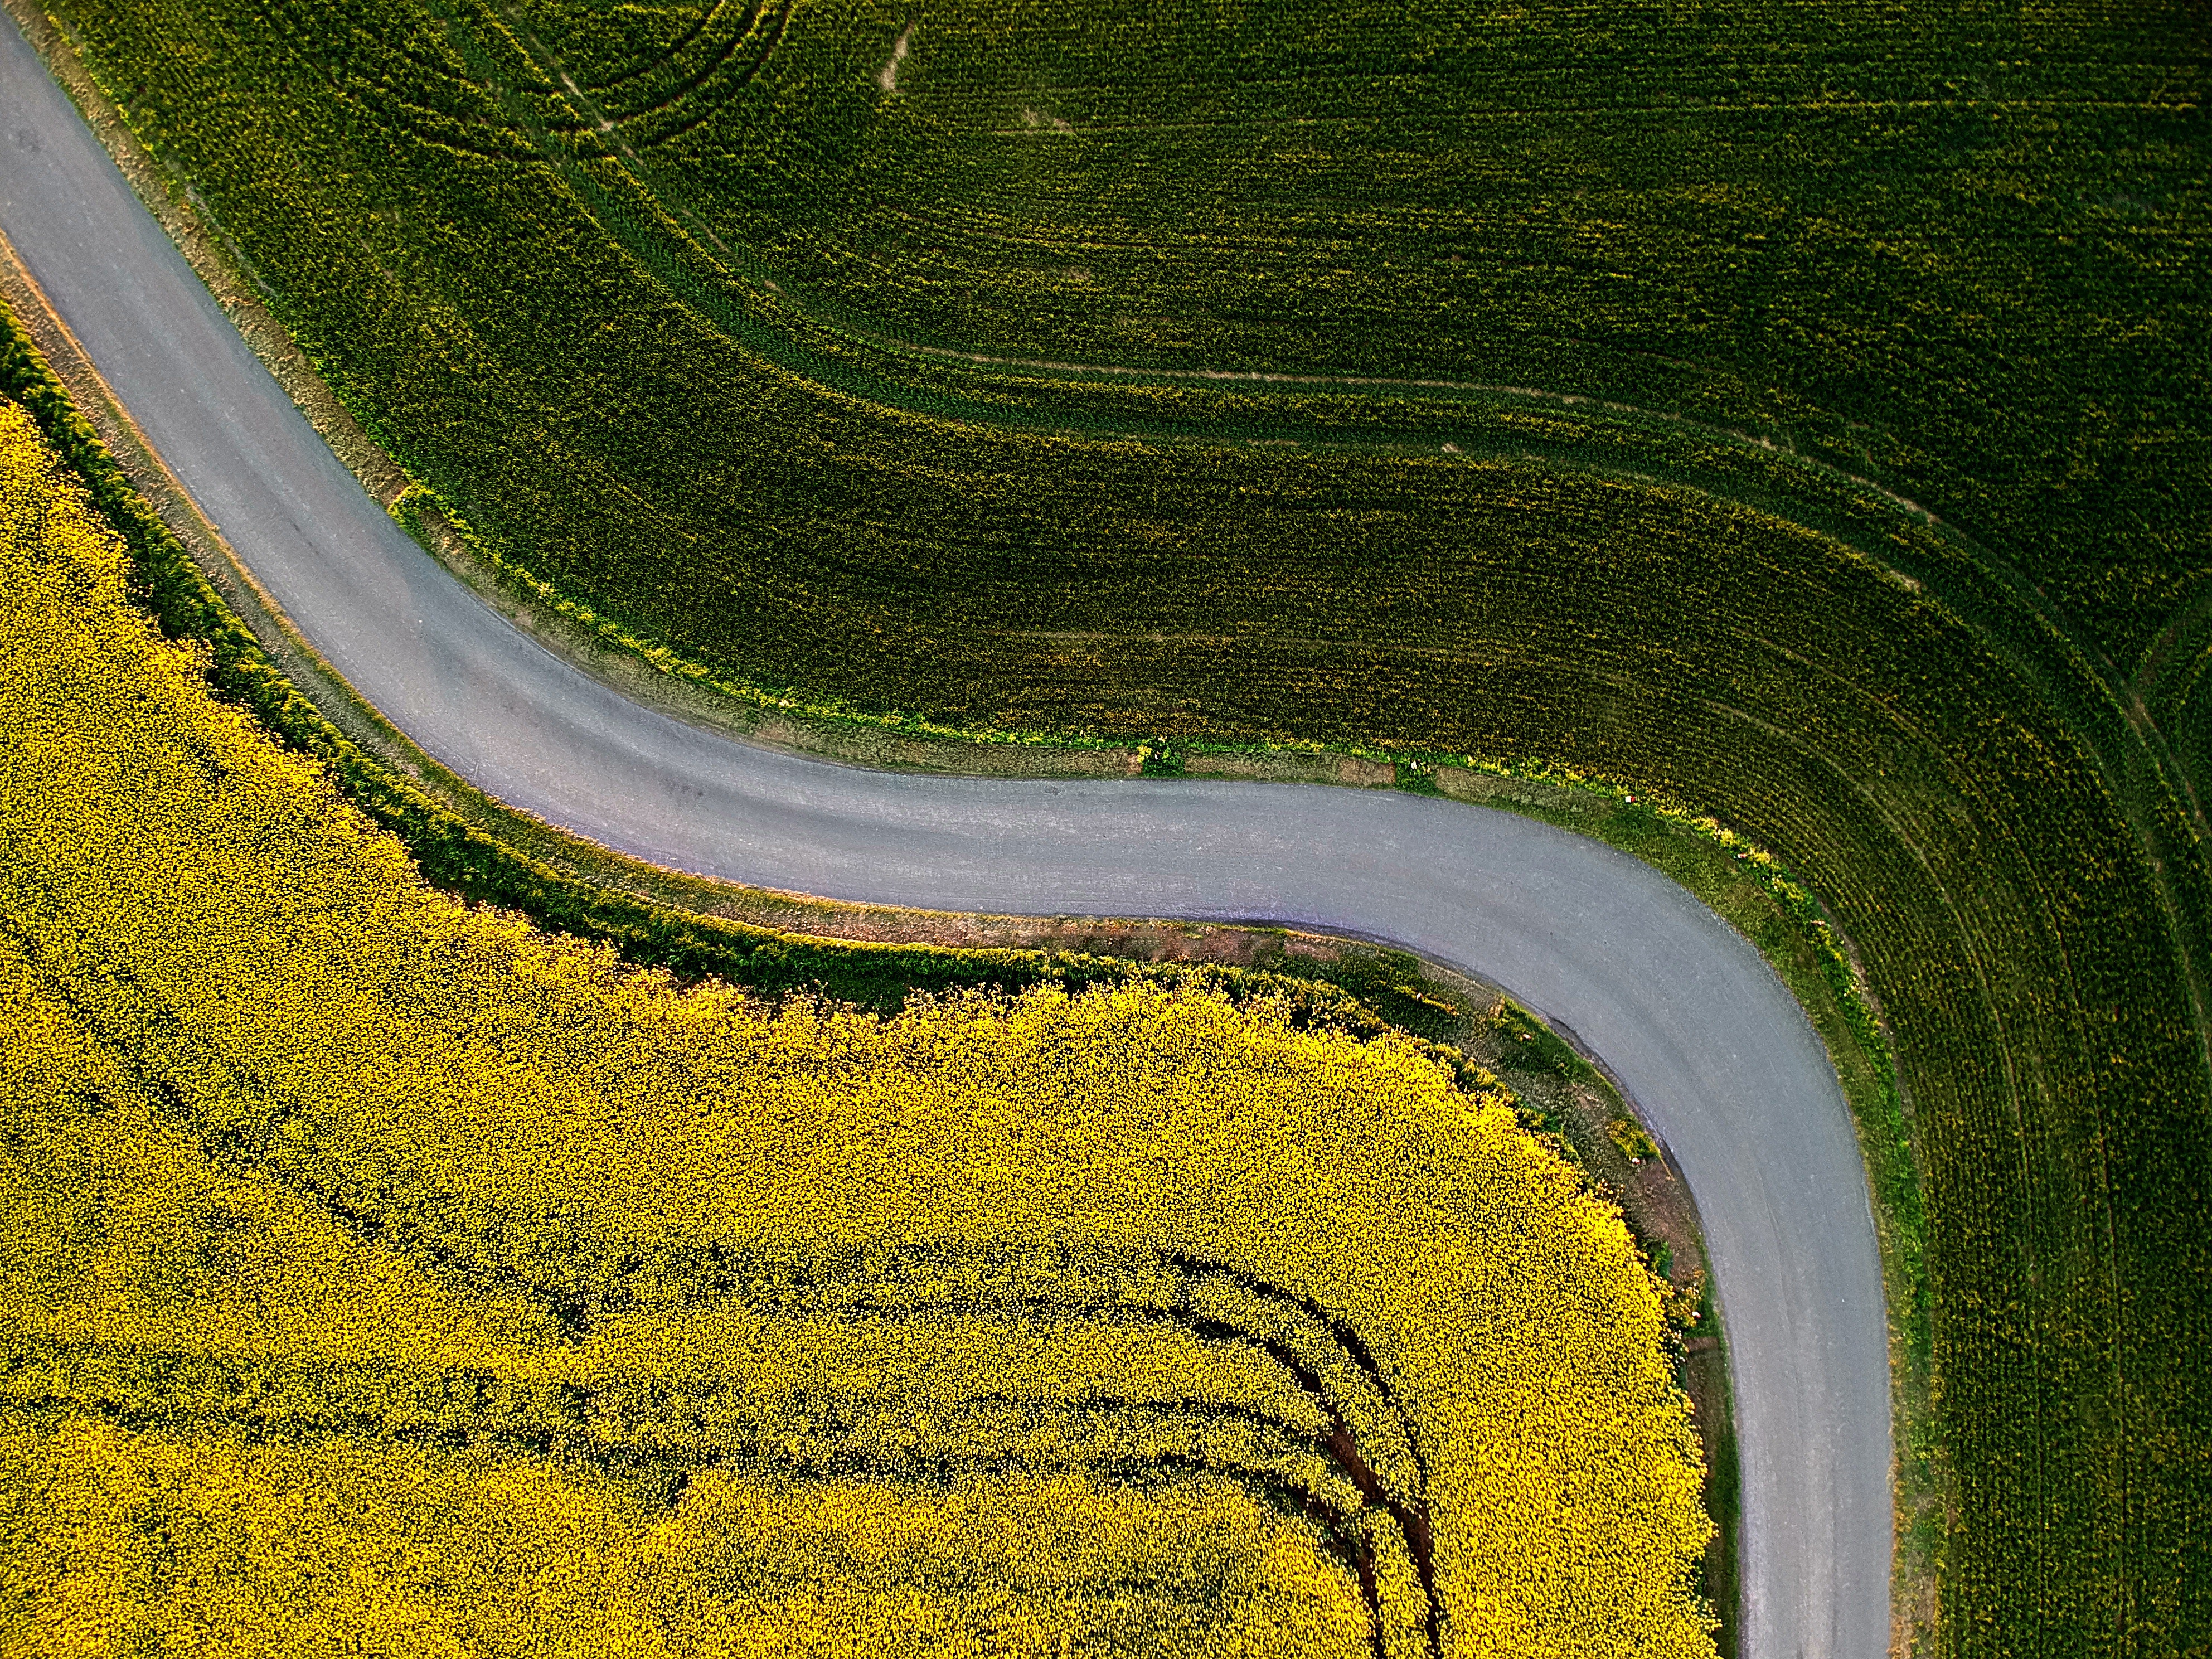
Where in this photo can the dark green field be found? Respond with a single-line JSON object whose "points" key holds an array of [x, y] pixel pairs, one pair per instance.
{"points": [[1798, 411]]}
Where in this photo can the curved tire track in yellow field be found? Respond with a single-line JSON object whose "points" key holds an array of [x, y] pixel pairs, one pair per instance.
{"points": [[1706, 1039]]}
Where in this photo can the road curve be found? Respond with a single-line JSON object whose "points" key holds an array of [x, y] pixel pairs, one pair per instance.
{"points": [[1683, 1010]]}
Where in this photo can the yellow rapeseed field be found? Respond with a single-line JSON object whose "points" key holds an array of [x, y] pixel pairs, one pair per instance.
{"points": [[382, 1276]]}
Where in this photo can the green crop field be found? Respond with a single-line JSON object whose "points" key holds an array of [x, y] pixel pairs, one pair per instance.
{"points": [[1799, 411]]}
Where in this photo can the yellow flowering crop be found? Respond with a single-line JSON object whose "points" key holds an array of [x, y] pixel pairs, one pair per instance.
{"points": [[383, 1275]]}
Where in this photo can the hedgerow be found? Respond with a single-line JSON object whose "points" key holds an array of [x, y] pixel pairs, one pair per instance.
{"points": [[377, 1265]]}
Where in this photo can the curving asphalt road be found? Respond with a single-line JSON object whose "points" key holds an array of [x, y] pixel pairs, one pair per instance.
{"points": [[1683, 1010]]}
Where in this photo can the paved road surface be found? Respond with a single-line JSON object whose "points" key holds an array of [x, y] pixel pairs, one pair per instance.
{"points": [[1684, 1012]]}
